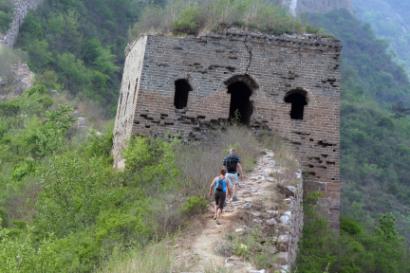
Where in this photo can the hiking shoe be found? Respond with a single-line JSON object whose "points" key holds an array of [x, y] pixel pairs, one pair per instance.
{"points": [[234, 199], [217, 222]]}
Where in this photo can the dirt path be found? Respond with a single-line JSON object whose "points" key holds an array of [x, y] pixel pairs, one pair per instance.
{"points": [[202, 250]]}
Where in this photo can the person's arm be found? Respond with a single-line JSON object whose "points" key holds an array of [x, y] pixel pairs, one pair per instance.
{"points": [[211, 188], [240, 171]]}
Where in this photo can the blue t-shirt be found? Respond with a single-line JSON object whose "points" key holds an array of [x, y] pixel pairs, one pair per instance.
{"points": [[223, 184]]}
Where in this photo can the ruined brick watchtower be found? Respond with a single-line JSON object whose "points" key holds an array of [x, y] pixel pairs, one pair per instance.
{"points": [[288, 83]]}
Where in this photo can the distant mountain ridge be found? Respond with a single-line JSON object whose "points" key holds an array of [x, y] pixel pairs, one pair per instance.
{"points": [[314, 6], [390, 20]]}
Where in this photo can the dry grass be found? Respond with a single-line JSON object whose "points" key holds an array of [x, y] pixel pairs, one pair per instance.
{"points": [[156, 258], [284, 155], [201, 162]]}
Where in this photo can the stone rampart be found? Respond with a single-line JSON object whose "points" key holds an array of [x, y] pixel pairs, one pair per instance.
{"points": [[288, 84], [21, 9]]}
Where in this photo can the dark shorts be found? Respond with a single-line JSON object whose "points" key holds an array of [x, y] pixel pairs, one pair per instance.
{"points": [[220, 197]]}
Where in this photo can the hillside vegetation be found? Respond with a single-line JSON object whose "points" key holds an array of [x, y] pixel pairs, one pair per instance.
{"points": [[8, 59], [6, 13], [375, 142], [79, 45], [63, 208], [193, 17], [390, 20], [357, 249]]}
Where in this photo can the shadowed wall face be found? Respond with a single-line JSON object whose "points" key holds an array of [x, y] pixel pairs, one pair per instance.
{"points": [[288, 84], [240, 107], [182, 89], [297, 99]]}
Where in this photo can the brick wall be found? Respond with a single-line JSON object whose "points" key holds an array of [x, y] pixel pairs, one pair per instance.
{"points": [[21, 9], [272, 65]]}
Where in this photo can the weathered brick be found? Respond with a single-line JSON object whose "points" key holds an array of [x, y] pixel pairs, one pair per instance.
{"points": [[269, 65]]}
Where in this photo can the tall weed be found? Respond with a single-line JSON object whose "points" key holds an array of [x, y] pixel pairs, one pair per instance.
{"points": [[153, 259], [201, 162]]}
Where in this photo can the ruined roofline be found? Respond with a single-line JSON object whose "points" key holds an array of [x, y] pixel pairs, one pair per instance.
{"points": [[309, 40]]}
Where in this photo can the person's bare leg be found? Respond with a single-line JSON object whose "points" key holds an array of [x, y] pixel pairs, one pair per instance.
{"points": [[234, 190], [219, 211], [216, 211], [232, 187]]}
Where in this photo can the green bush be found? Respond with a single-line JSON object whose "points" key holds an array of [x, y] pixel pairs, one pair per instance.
{"points": [[84, 210], [194, 205], [188, 20], [355, 250]]}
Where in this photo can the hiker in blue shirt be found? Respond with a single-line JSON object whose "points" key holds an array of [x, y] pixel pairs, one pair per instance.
{"points": [[220, 188], [232, 164]]}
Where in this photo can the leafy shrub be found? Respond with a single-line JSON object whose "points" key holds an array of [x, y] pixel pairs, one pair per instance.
{"points": [[356, 250], [187, 21], [9, 109], [122, 228], [194, 205]]}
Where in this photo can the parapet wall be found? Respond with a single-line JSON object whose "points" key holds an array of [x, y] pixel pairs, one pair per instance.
{"points": [[291, 223], [21, 9], [276, 207]]}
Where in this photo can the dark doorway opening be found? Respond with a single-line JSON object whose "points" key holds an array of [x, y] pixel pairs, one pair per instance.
{"points": [[241, 107], [298, 100], [182, 89]]}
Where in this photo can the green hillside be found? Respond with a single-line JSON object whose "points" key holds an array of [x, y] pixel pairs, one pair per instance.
{"points": [[375, 142], [390, 19], [6, 12], [80, 44], [64, 209]]}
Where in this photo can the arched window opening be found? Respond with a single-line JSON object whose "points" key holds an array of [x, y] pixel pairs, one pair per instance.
{"points": [[241, 107], [298, 100], [182, 89]]}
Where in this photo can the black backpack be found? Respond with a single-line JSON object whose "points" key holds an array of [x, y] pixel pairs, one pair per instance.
{"points": [[231, 163]]}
